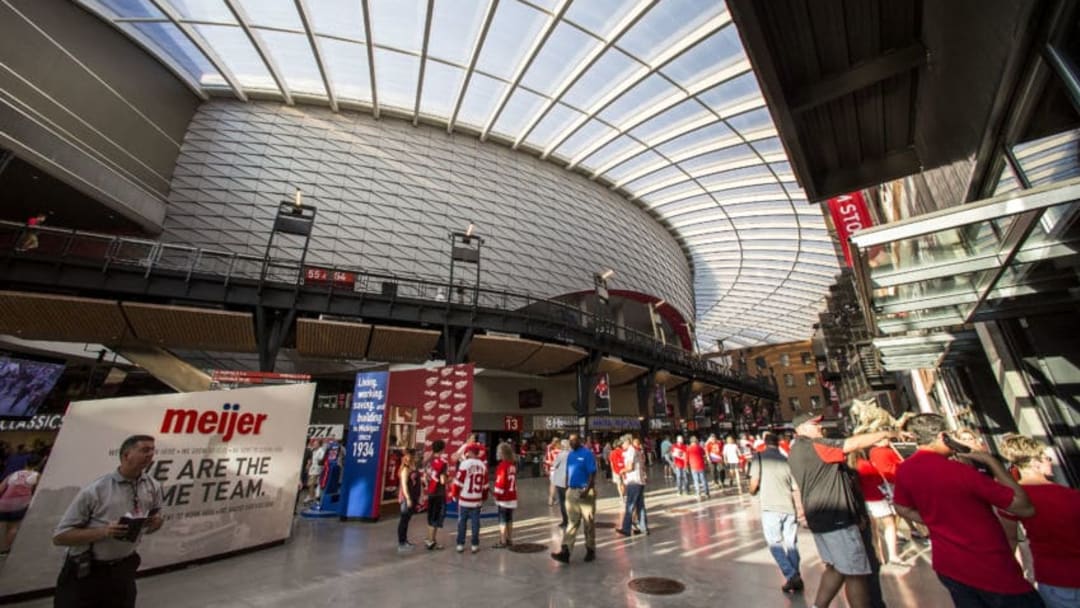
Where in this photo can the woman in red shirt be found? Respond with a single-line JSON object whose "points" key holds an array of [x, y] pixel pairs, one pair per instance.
{"points": [[1052, 533], [505, 491], [878, 505]]}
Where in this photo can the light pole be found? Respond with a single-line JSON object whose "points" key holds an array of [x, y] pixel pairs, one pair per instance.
{"points": [[600, 283], [465, 247]]}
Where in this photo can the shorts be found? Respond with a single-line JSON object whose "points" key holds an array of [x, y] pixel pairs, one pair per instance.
{"points": [[879, 508], [506, 516], [844, 550], [13, 515], [436, 511], [731, 466]]}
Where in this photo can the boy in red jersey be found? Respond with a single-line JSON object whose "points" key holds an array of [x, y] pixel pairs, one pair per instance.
{"points": [[616, 460], [437, 478], [714, 448]]}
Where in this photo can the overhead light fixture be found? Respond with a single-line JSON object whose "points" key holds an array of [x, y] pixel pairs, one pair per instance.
{"points": [[469, 230], [299, 197], [659, 303], [607, 274]]}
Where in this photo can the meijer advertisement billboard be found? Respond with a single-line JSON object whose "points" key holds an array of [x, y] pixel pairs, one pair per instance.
{"points": [[228, 463]]}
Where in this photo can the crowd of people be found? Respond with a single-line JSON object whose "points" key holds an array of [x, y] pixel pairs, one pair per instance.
{"points": [[860, 498]]}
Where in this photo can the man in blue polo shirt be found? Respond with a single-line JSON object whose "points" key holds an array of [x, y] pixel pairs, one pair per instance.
{"points": [[580, 500]]}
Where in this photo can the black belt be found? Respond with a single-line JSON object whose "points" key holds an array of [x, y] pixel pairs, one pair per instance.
{"points": [[113, 562]]}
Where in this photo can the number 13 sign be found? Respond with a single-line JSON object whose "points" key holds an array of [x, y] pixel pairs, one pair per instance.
{"points": [[513, 423]]}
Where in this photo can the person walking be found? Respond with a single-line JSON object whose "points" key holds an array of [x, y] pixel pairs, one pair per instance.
{"points": [[634, 476], [833, 510], [102, 528], [731, 463], [695, 460], [505, 492], [471, 489], [550, 454], [678, 463], [665, 455], [580, 501], [714, 448], [410, 485], [770, 476], [969, 550], [1052, 533], [616, 461], [558, 480]]}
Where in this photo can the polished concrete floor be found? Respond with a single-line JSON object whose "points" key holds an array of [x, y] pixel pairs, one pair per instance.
{"points": [[714, 547]]}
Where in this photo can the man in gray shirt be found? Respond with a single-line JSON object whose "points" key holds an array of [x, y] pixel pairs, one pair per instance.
{"points": [[558, 478], [771, 477], [102, 527]]}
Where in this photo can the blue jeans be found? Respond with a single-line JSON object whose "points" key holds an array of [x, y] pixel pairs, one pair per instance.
{"points": [[782, 533], [682, 480], [635, 499], [964, 595], [701, 486], [1059, 597], [466, 514]]}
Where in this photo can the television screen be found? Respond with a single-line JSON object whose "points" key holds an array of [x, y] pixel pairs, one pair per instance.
{"points": [[24, 384], [530, 398]]}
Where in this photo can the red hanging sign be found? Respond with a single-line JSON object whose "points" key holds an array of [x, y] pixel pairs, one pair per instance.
{"points": [[849, 215]]}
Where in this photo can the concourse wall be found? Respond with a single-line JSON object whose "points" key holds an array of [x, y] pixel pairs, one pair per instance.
{"points": [[388, 193]]}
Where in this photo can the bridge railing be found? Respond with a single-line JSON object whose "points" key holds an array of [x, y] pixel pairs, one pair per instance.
{"points": [[150, 256]]}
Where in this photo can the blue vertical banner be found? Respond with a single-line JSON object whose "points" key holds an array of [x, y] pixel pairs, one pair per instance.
{"points": [[363, 466]]}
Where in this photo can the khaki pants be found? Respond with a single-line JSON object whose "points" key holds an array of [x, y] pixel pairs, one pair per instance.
{"points": [[580, 509]]}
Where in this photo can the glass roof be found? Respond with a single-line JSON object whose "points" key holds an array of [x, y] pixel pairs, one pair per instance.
{"points": [[655, 99]]}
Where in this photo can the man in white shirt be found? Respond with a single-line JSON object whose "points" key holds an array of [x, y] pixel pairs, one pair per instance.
{"points": [[731, 463]]}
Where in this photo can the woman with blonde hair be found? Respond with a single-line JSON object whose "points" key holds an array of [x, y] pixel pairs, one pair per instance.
{"points": [[1053, 534]]}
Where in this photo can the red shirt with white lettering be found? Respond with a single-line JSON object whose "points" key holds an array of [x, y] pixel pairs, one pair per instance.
{"points": [[678, 455], [1053, 534], [471, 483], [957, 503], [505, 488], [616, 460], [695, 455]]}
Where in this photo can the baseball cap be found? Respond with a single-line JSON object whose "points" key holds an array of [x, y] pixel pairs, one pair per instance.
{"points": [[801, 419]]}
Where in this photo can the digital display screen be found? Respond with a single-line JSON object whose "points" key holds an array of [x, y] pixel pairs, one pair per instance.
{"points": [[24, 384]]}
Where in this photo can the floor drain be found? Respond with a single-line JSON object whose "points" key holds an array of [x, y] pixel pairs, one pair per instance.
{"points": [[654, 585], [527, 547]]}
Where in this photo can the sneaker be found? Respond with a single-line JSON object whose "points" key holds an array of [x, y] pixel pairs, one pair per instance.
{"points": [[620, 531], [475, 548], [590, 555], [405, 548], [461, 548]]}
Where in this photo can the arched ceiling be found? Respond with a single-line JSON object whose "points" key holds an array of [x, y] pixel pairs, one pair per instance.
{"points": [[655, 99]]}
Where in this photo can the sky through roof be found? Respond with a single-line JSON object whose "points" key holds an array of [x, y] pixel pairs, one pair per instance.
{"points": [[655, 99]]}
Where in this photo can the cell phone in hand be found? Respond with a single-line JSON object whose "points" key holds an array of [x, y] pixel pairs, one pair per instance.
{"points": [[955, 445]]}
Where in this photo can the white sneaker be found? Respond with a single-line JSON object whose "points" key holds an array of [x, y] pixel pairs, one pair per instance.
{"points": [[404, 548], [461, 548], [475, 548]]}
